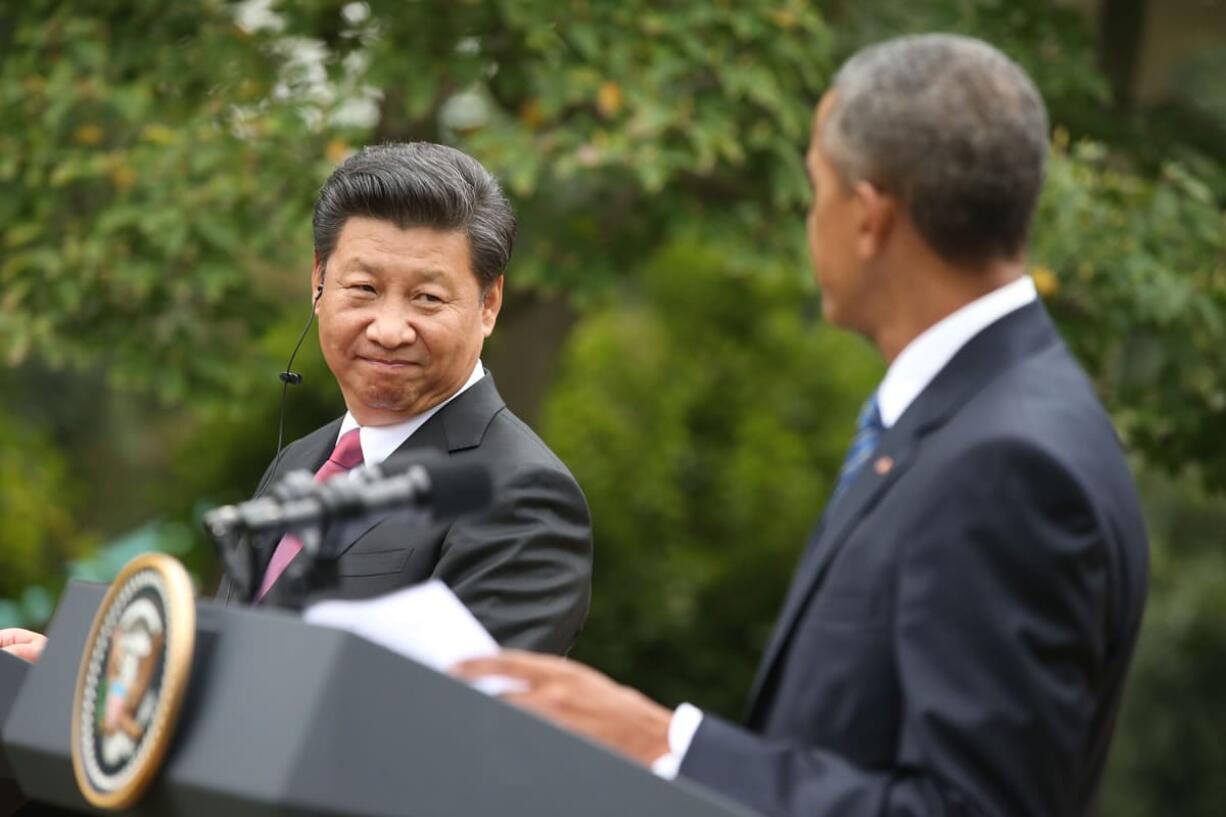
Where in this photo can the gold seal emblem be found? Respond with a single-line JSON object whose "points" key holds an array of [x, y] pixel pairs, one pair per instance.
{"points": [[132, 680]]}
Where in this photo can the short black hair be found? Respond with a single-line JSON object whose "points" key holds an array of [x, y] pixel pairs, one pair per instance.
{"points": [[419, 184], [954, 128]]}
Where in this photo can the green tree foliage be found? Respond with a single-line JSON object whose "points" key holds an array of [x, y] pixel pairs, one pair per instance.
{"points": [[156, 195], [156, 174], [1136, 271], [155, 179], [704, 417], [36, 500], [1169, 755]]}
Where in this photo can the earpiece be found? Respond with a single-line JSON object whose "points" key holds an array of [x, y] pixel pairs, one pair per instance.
{"points": [[293, 378], [289, 378]]}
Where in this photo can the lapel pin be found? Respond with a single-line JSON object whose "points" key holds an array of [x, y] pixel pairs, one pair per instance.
{"points": [[883, 465]]}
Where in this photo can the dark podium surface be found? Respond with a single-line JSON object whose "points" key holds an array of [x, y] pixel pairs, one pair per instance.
{"points": [[285, 718], [12, 675]]}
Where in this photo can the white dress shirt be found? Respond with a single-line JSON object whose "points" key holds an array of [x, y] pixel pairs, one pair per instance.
{"points": [[908, 376], [379, 442]]}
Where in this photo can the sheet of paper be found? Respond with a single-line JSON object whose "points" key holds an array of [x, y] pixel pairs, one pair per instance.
{"points": [[425, 622]]}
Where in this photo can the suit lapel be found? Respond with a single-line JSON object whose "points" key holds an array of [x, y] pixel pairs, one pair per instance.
{"points": [[896, 448], [1012, 338], [456, 426], [308, 454]]}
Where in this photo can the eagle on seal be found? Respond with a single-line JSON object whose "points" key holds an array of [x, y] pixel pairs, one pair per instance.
{"points": [[136, 647]]}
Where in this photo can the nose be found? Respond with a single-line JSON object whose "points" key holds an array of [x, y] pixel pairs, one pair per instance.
{"points": [[391, 327]]}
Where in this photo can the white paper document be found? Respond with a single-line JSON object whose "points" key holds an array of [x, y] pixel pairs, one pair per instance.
{"points": [[425, 622]]}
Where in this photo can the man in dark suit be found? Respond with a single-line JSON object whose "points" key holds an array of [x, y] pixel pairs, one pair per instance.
{"points": [[957, 634], [411, 244]]}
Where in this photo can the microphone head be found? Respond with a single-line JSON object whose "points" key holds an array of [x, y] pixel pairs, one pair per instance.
{"points": [[456, 487], [292, 378]]}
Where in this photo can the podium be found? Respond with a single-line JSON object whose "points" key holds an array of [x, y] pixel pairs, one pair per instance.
{"points": [[284, 718]]}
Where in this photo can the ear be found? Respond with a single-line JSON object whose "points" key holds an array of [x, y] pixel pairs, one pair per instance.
{"points": [[490, 305], [317, 282], [878, 212]]}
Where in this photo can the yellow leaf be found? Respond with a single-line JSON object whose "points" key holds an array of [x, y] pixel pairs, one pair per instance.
{"points": [[123, 177], [1045, 280], [89, 134], [337, 151], [530, 114], [1060, 139], [609, 99], [158, 134], [784, 18]]}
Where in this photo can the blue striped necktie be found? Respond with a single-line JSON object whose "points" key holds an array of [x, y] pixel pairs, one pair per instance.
{"points": [[868, 432]]}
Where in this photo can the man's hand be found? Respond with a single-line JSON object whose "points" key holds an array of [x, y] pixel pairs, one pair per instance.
{"points": [[22, 643], [581, 699]]}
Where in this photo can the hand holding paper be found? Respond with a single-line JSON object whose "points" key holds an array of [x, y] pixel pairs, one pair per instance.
{"points": [[426, 623]]}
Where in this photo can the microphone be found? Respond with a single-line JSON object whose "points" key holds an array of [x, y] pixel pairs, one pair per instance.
{"points": [[404, 484]]}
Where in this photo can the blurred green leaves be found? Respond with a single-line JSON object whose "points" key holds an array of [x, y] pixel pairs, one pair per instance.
{"points": [[1168, 754], [37, 497], [704, 416], [1140, 291], [151, 181], [157, 169]]}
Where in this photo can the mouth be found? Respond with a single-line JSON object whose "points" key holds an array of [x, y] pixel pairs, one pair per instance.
{"points": [[387, 362]]}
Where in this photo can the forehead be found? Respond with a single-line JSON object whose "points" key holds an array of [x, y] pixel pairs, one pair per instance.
{"points": [[377, 243]]}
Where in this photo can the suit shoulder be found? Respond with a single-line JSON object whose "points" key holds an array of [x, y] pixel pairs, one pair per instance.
{"points": [[1043, 418], [514, 441], [1047, 403]]}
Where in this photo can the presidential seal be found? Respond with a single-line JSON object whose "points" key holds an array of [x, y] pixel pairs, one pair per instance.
{"points": [[132, 680]]}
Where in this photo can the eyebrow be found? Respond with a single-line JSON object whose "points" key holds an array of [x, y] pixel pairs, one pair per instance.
{"points": [[427, 274], [360, 265]]}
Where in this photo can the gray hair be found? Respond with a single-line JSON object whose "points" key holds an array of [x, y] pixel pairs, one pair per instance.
{"points": [[420, 184], [954, 128]]}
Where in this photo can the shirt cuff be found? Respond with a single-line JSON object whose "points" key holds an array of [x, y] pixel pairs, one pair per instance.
{"points": [[685, 722]]}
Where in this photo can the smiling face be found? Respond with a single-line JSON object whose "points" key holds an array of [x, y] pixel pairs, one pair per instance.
{"points": [[402, 317]]}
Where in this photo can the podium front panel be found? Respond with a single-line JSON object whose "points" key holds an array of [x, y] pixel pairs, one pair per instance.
{"points": [[285, 718]]}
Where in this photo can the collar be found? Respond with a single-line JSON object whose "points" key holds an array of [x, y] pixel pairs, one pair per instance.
{"points": [[923, 358], [378, 442]]}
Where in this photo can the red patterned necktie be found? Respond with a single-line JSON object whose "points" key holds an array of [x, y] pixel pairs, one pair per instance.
{"points": [[346, 455]]}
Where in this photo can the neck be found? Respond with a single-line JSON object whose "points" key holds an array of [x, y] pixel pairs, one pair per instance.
{"points": [[931, 292]]}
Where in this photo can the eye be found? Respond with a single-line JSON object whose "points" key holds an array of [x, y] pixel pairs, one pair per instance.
{"points": [[429, 298], [362, 288]]}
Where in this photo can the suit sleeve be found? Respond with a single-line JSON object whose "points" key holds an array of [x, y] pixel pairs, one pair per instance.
{"points": [[999, 640], [524, 567]]}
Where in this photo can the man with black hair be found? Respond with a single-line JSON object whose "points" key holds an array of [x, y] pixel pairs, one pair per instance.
{"points": [[411, 245]]}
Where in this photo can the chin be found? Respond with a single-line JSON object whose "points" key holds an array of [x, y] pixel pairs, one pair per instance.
{"points": [[395, 403], [384, 397]]}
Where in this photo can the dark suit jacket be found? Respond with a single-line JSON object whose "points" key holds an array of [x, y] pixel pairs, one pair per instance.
{"points": [[523, 567], [957, 633]]}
